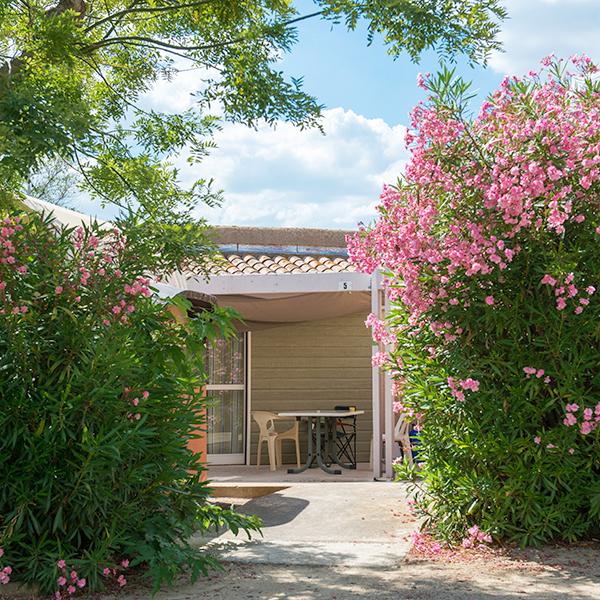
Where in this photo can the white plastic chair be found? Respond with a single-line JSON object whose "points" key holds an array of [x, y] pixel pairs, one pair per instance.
{"points": [[267, 433], [401, 437]]}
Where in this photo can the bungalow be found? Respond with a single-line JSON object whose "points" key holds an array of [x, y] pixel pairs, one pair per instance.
{"points": [[302, 340]]}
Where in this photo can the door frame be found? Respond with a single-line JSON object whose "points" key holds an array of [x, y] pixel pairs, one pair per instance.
{"points": [[238, 458]]}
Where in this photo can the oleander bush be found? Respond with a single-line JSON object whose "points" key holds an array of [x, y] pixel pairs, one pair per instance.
{"points": [[101, 392], [491, 247]]}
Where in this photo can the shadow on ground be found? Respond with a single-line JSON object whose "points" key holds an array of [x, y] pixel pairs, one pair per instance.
{"points": [[274, 509], [420, 580]]}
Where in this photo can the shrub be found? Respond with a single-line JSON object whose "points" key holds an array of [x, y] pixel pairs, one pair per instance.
{"points": [[101, 393], [491, 247]]}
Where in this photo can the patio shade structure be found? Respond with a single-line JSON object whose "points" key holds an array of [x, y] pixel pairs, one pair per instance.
{"points": [[280, 276], [270, 298]]}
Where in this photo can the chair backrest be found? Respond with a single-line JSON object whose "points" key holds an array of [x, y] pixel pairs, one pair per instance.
{"points": [[264, 419], [402, 427]]}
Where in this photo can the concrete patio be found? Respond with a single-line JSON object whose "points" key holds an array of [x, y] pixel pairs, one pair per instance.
{"points": [[355, 523], [241, 474]]}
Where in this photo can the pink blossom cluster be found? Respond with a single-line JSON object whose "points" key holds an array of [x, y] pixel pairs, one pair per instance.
{"points": [[465, 384], [68, 583], [565, 290], [379, 359], [5, 572], [424, 545], [92, 276], [379, 331], [538, 373], [588, 421], [476, 538], [115, 572], [13, 267], [135, 401], [528, 171]]}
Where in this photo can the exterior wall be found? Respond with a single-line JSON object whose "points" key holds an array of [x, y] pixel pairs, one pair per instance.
{"points": [[317, 364]]}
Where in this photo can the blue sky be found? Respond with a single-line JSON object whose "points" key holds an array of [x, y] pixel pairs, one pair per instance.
{"points": [[286, 177], [339, 67]]}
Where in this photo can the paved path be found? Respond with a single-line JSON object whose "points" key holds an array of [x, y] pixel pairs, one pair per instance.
{"points": [[348, 541], [347, 524]]}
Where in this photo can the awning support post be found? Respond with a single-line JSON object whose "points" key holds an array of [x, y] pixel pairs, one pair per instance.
{"points": [[376, 309], [388, 409]]}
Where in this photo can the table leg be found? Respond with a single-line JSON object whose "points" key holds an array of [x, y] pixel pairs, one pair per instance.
{"points": [[320, 449], [310, 457]]}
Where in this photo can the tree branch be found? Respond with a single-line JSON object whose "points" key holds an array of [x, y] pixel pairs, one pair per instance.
{"points": [[159, 44], [144, 9]]}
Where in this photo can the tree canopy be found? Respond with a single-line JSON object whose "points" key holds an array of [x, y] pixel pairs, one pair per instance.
{"points": [[74, 71]]}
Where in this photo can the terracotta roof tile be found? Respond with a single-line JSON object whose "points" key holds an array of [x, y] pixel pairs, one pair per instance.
{"points": [[251, 264]]}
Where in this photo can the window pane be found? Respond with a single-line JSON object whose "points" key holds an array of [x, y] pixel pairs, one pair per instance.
{"points": [[225, 417], [226, 361]]}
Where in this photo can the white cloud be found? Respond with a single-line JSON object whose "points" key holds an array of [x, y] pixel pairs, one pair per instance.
{"points": [[176, 94], [538, 27], [288, 177]]}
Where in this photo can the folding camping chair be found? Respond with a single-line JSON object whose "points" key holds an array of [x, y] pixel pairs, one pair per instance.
{"points": [[345, 438]]}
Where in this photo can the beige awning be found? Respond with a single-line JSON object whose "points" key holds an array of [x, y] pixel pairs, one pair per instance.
{"points": [[260, 311]]}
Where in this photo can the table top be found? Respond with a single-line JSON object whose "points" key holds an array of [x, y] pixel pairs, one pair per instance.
{"points": [[320, 413]]}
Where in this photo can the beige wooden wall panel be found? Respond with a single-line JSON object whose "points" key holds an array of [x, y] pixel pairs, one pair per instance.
{"points": [[317, 364]]}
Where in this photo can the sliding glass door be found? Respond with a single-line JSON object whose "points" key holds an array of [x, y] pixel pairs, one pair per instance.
{"points": [[226, 422]]}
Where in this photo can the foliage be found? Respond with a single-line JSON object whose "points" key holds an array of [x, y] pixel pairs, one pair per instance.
{"points": [[101, 393], [490, 242], [53, 183], [74, 75]]}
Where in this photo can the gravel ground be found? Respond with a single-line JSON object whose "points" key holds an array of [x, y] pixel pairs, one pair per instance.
{"points": [[550, 574]]}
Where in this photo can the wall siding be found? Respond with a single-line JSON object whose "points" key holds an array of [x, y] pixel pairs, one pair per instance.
{"points": [[317, 364]]}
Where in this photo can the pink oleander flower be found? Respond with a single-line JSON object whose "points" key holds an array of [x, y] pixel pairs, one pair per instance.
{"points": [[81, 582], [473, 531], [106, 571], [125, 563], [58, 289], [422, 80], [71, 589], [61, 581], [587, 427], [470, 384], [572, 407], [489, 300], [61, 564], [379, 359], [145, 394], [121, 580], [537, 439]]}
